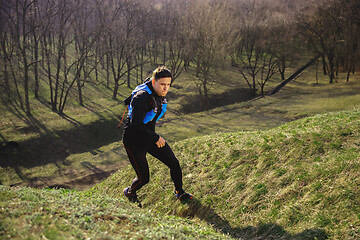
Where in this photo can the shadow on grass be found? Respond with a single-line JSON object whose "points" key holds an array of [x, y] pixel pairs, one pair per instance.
{"points": [[237, 95], [52, 146], [263, 231]]}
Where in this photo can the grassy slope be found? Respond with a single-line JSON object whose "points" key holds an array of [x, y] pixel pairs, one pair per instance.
{"points": [[298, 180], [27, 213]]}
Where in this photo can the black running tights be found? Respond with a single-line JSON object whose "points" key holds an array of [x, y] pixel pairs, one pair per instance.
{"points": [[138, 160]]}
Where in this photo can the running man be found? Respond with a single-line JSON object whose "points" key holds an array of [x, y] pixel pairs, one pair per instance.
{"points": [[147, 104]]}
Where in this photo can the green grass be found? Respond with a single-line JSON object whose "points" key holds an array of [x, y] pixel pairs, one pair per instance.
{"points": [[299, 180], [27, 213], [296, 181]]}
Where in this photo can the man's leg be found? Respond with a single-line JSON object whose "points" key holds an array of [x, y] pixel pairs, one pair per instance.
{"points": [[166, 155], [139, 163]]}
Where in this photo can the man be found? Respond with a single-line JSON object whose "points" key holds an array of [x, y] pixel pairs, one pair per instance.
{"points": [[147, 104]]}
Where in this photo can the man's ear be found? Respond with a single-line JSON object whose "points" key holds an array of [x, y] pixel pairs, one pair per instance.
{"points": [[153, 81]]}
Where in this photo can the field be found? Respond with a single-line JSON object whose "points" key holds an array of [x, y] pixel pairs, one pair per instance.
{"points": [[279, 167]]}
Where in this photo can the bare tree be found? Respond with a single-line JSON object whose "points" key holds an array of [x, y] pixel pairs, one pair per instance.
{"points": [[34, 21], [323, 31], [86, 31], [166, 34], [254, 54], [17, 13], [123, 35], [351, 31], [48, 15], [67, 42], [6, 49], [208, 31], [283, 42], [56, 42]]}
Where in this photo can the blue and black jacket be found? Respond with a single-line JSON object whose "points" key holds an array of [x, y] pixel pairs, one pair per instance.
{"points": [[145, 109]]}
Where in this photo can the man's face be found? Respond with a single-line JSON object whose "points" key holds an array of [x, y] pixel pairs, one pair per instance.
{"points": [[161, 86]]}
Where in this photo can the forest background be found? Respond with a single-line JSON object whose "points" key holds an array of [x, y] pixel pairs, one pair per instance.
{"points": [[51, 49]]}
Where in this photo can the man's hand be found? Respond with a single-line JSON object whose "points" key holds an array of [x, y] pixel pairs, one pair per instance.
{"points": [[160, 143]]}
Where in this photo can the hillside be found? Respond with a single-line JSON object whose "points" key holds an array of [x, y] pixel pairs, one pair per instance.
{"points": [[299, 180], [296, 181], [28, 213]]}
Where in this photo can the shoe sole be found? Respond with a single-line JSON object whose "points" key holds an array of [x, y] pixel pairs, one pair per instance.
{"points": [[131, 199]]}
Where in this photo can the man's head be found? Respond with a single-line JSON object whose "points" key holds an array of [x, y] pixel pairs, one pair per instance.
{"points": [[161, 80]]}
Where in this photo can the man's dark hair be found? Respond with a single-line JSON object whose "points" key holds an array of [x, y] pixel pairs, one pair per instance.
{"points": [[161, 72]]}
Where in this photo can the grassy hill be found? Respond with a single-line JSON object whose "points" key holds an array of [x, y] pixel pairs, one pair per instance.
{"points": [[28, 213], [299, 180], [296, 181]]}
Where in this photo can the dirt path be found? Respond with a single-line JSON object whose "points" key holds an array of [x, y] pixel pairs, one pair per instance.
{"points": [[75, 179]]}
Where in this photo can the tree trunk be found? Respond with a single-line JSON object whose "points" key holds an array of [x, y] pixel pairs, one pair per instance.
{"points": [[47, 49], [116, 89], [331, 71], [128, 63], [80, 95], [262, 89], [282, 68], [348, 74], [317, 73], [206, 94], [142, 64], [201, 99], [164, 56], [61, 54], [96, 64], [293, 76], [324, 64], [107, 70], [26, 67], [36, 72], [6, 75], [26, 84]]}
